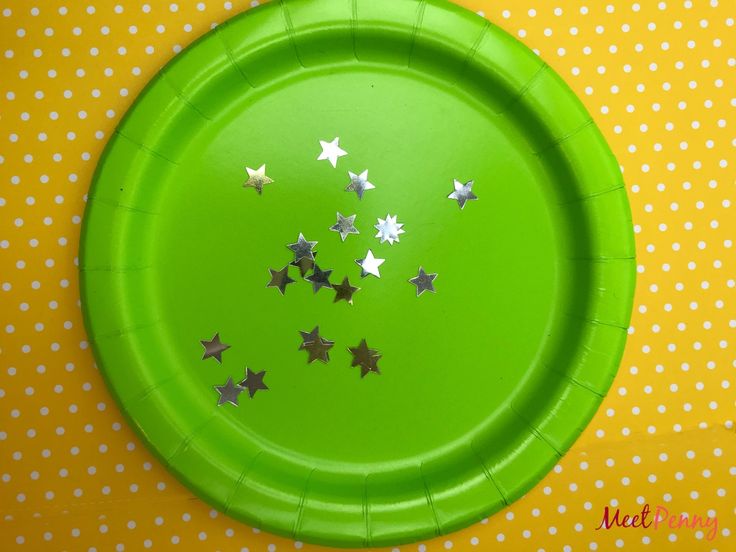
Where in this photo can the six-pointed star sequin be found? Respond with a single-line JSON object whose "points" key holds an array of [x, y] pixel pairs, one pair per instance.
{"points": [[366, 358], [462, 193], [344, 291], [280, 279], [214, 348], [331, 151], [319, 278], [369, 265], [359, 183], [302, 249], [228, 393], [257, 178], [388, 229], [423, 281], [345, 226], [253, 382]]}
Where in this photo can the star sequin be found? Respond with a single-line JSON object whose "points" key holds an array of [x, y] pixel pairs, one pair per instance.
{"points": [[369, 265], [423, 281], [304, 265], [345, 226], [344, 291], [366, 358], [319, 278], [359, 183], [319, 350], [280, 279], [388, 229], [253, 382], [462, 193], [257, 178], [214, 348], [331, 151], [302, 249], [317, 346], [228, 393]]}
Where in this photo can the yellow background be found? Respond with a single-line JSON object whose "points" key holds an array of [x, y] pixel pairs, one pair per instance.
{"points": [[658, 78]]}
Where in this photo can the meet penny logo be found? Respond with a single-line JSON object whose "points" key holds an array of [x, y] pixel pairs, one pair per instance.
{"points": [[661, 519]]}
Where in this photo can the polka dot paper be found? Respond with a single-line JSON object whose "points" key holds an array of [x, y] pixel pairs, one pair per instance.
{"points": [[656, 462]]}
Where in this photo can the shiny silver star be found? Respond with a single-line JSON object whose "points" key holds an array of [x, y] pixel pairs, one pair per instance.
{"points": [[214, 348], [345, 225], [388, 229], [302, 249], [359, 183], [316, 345], [304, 265], [280, 279], [462, 193], [253, 382], [366, 358], [423, 281], [344, 291], [257, 178], [369, 265], [319, 278], [228, 393], [319, 350], [331, 151]]}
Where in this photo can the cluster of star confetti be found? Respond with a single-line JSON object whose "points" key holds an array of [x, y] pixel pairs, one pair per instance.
{"points": [[389, 229], [318, 348], [230, 392]]}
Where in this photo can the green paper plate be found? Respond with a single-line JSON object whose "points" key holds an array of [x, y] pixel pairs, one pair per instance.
{"points": [[484, 384]]}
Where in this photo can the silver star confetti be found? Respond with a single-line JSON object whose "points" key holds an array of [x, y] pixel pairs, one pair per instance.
{"points": [[319, 350], [344, 291], [214, 348], [345, 226], [462, 193], [253, 382], [388, 229], [369, 265], [319, 278], [366, 358], [304, 265], [359, 183], [317, 346], [257, 178], [302, 249], [228, 393], [423, 281], [280, 279], [331, 151]]}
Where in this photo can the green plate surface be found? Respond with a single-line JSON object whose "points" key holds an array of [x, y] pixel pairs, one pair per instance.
{"points": [[484, 384]]}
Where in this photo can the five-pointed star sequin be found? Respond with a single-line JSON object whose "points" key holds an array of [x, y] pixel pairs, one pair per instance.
{"points": [[310, 337], [304, 265], [388, 229], [359, 183], [228, 393], [423, 281], [319, 350], [366, 358], [345, 226], [280, 279], [253, 382], [462, 193], [302, 248], [257, 178], [331, 151], [344, 291], [214, 348], [369, 265], [319, 278]]}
